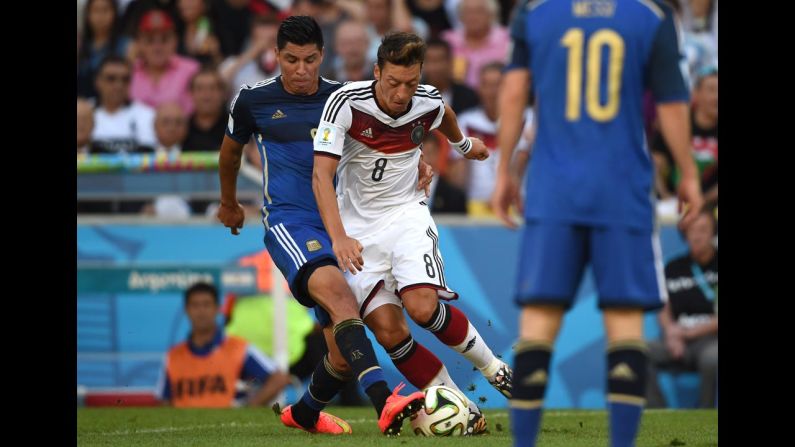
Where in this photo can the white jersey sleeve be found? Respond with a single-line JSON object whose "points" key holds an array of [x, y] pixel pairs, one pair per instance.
{"points": [[432, 91], [334, 124]]}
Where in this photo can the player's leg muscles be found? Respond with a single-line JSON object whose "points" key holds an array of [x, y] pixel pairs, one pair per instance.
{"points": [[413, 360], [452, 328], [538, 328], [328, 288], [627, 369]]}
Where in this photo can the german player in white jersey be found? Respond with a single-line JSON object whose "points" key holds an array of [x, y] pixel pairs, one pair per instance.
{"points": [[382, 232]]}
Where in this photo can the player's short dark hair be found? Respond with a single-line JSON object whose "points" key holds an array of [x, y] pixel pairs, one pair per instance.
{"points": [[399, 48], [201, 287], [441, 43], [299, 30], [113, 59]]}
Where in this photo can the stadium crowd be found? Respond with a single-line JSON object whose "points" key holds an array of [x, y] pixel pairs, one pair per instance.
{"points": [[158, 76]]}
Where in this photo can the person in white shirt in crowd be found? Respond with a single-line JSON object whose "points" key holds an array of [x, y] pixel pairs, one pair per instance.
{"points": [[171, 128], [85, 125], [120, 124], [481, 122]]}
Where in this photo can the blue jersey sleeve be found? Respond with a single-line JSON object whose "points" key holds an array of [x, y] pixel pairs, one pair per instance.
{"points": [[241, 123], [667, 69], [256, 366], [520, 50]]}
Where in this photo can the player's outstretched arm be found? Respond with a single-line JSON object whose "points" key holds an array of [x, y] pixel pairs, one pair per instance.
{"points": [[230, 213], [512, 102], [347, 249], [471, 148]]}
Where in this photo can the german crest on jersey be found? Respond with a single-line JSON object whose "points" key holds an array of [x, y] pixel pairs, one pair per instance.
{"points": [[417, 134]]}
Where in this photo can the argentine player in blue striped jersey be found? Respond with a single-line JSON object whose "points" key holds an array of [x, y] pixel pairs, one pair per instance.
{"points": [[281, 113], [589, 185]]}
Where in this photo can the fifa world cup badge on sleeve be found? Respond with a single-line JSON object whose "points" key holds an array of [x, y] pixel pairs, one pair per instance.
{"points": [[325, 136]]}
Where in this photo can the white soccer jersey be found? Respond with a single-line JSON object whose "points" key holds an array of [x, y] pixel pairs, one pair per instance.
{"points": [[378, 154], [483, 174]]}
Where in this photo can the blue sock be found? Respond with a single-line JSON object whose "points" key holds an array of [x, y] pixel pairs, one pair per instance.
{"points": [[530, 376], [627, 363]]}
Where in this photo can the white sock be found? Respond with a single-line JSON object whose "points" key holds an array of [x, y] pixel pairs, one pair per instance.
{"points": [[443, 378], [476, 351]]}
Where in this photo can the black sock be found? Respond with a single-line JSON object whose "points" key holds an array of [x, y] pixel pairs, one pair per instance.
{"points": [[627, 366], [358, 351], [530, 378]]}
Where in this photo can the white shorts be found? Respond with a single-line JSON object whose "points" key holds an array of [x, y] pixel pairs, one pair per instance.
{"points": [[403, 256]]}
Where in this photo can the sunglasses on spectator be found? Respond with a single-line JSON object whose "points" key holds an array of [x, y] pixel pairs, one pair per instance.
{"points": [[115, 78]]}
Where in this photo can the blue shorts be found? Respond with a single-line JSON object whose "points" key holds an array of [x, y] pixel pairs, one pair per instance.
{"points": [[298, 250], [627, 265]]}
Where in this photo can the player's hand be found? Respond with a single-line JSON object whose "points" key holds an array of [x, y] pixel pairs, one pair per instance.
{"points": [[690, 200], [674, 341], [506, 193], [425, 177], [479, 150], [349, 254], [232, 216]]}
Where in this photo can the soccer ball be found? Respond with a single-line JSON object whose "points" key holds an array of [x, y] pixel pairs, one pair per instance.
{"points": [[446, 413]]}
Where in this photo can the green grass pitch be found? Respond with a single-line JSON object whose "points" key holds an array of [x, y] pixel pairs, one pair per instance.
{"points": [[161, 427]]}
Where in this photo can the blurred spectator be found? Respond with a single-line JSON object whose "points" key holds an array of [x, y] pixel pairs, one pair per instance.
{"points": [[447, 187], [351, 43], [432, 12], [699, 45], [329, 14], [506, 10], [197, 28], [478, 41], [234, 20], [481, 122], [689, 320], [251, 317], [208, 122], [171, 128], [120, 125], [698, 15], [101, 37], [383, 16], [160, 75], [258, 61], [203, 370], [438, 72], [704, 128], [135, 10], [85, 125], [258, 7]]}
